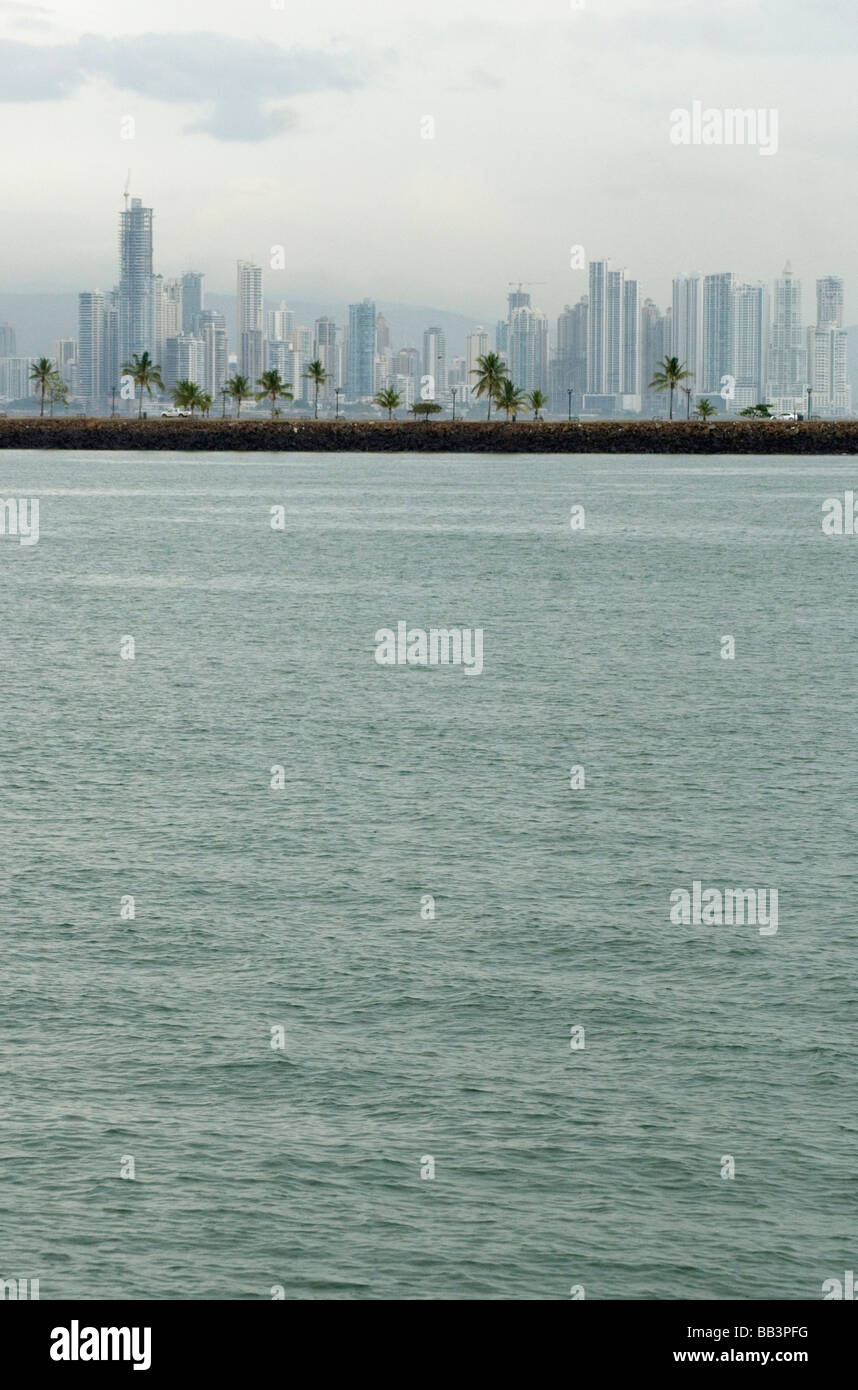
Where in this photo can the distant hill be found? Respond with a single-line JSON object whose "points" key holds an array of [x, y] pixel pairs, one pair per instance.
{"points": [[39, 319]]}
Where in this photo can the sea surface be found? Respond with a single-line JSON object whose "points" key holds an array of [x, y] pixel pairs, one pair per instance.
{"points": [[290, 1162]]}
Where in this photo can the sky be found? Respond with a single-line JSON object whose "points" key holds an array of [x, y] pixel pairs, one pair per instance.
{"points": [[268, 123]]}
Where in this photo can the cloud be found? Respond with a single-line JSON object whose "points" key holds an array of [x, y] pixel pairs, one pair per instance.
{"points": [[244, 81]]}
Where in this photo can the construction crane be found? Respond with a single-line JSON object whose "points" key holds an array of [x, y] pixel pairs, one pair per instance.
{"points": [[517, 284]]}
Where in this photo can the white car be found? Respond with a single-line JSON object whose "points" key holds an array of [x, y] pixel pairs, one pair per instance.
{"points": [[175, 413]]}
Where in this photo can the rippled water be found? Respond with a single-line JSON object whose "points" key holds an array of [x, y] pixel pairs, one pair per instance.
{"points": [[407, 1038]]}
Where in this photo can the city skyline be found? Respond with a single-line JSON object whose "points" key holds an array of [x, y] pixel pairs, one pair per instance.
{"points": [[439, 169]]}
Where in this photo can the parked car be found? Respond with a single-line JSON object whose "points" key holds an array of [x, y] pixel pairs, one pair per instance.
{"points": [[174, 412]]}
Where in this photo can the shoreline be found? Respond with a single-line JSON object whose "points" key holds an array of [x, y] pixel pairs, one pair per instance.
{"points": [[436, 436]]}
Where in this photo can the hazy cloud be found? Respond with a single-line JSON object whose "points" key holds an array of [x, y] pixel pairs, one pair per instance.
{"points": [[245, 80]]}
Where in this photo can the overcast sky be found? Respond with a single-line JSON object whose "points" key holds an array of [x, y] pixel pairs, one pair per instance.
{"points": [[257, 126]]}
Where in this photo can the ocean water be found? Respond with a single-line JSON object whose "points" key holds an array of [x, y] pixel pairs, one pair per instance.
{"points": [[406, 1038]]}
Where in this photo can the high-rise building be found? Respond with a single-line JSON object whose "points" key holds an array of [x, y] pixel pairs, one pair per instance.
{"points": [[528, 349], [327, 350], [688, 326], [502, 338], [211, 328], [787, 365], [193, 299], [476, 345], [168, 312], [65, 356], [382, 333], [717, 331], [630, 383], [8, 343], [654, 349], [15, 381], [750, 341], [828, 376], [249, 322], [360, 369], [184, 360], [569, 364], [136, 307], [92, 356], [596, 329], [435, 363], [280, 324], [829, 302]]}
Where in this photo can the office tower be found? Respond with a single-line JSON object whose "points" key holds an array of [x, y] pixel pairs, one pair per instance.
{"points": [[326, 349], [184, 360], [360, 368], [168, 312], [382, 334], [211, 328], [136, 316], [406, 364], [596, 362], [302, 356], [517, 299], [717, 331], [65, 356], [829, 302], [653, 351], [280, 323], [193, 299], [15, 383], [787, 367], [92, 362], [476, 345], [435, 362], [502, 338], [613, 349], [569, 364], [750, 339], [249, 321], [630, 383], [688, 326], [528, 349], [8, 344], [828, 371]]}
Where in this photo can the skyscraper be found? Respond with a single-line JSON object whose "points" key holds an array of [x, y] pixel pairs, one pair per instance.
{"points": [[136, 310], [787, 366], [654, 348], [326, 349], [92, 359], [750, 340], [8, 345], [211, 328], [717, 331], [249, 323], [688, 326], [435, 362], [193, 299], [528, 349], [829, 302], [360, 370], [596, 329], [569, 365], [630, 383]]}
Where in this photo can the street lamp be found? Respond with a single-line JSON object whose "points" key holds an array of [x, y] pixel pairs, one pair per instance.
{"points": [[224, 390], [113, 402], [569, 394], [338, 391], [453, 391], [809, 401]]}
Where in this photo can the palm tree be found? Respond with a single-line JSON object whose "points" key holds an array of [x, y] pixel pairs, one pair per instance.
{"points": [[317, 374], [204, 402], [187, 395], [239, 388], [42, 372], [389, 400], [274, 387], [425, 408], [58, 391], [537, 401], [510, 398], [704, 408], [490, 371], [760, 411], [668, 376], [144, 374]]}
